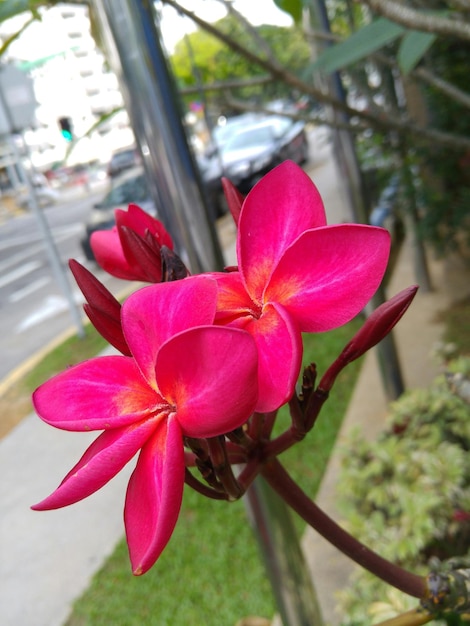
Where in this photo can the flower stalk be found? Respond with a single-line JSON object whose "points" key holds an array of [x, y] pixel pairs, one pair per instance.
{"points": [[288, 489]]}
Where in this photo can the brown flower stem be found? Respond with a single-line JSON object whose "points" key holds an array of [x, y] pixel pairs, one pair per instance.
{"points": [[249, 473], [198, 446], [202, 488], [297, 416], [309, 377], [415, 617], [314, 406], [222, 468], [392, 574], [282, 443], [240, 437], [255, 425], [268, 424]]}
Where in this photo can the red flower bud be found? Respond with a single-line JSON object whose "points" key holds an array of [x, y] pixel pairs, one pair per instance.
{"points": [[142, 252], [234, 199], [374, 329], [102, 308]]}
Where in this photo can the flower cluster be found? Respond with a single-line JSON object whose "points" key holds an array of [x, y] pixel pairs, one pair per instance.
{"points": [[203, 356]]}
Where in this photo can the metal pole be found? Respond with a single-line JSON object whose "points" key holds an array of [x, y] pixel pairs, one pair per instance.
{"points": [[346, 155], [343, 142], [136, 56], [284, 562]]}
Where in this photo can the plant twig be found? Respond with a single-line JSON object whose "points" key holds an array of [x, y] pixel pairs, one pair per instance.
{"points": [[419, 20], [293, 495], [277, 71], [222, 468]]}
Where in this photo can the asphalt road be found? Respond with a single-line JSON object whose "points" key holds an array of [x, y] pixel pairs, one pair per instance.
{"points": [[34, 309]]}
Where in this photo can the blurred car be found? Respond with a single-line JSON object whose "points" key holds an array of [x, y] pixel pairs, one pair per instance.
{"points": [[227, 127], [123, 160], [130, 187], [258, 147]]}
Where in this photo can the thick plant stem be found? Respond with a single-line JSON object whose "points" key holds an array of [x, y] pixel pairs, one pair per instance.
{"points": [[392, 574]]}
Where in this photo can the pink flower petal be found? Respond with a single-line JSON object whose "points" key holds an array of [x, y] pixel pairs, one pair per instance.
{"points": [[106, 456], [154, 496], [103, 393], [140, 221], [277, 210], [209, 375], [279, 344], [153, 314], [108, 252], [233, 301], [329, 274]]}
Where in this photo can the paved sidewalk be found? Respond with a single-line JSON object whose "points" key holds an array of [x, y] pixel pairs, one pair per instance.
{"points": [[48, 558]]}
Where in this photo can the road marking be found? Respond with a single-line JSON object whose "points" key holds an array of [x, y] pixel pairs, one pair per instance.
{"points": [[17, 258], [27, 268], [50, 307], [29, 289], [59, 234]]}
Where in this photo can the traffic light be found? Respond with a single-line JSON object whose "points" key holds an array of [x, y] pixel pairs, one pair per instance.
{"points": [[65, 124]]}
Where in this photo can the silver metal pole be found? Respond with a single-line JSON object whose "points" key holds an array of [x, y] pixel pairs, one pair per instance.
{"points": [[283, 558], [346, 155], [131, 37]]}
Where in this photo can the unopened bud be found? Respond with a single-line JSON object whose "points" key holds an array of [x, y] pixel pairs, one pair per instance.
{"points": [[102, 308], [374, 329], [138, 252], [234, 199], [173, 267]]}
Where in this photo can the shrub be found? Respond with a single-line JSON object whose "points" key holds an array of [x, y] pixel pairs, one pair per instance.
{"points": [[407, 494]]}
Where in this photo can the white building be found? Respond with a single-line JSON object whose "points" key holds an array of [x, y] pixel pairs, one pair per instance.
{"points": [[71, 81]]}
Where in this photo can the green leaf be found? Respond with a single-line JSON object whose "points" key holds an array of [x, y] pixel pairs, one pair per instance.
{"points": [[360, 45], [293, 7], [413, 47]]}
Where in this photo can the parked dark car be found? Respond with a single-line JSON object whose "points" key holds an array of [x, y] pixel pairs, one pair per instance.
{"points": [[129, 187], [228, 127], [258, 147], [123, 160]]}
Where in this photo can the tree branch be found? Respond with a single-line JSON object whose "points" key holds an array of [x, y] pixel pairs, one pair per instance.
{"points": [[381, 122], [444, 86], [418, 20]]}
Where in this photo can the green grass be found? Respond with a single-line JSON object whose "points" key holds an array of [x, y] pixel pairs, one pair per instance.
{"points": [[211, 572], [72, 351]]}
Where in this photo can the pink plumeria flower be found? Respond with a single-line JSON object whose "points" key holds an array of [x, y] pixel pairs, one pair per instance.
{"points": [[296, 274], [113, 253], [185, 377]]}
